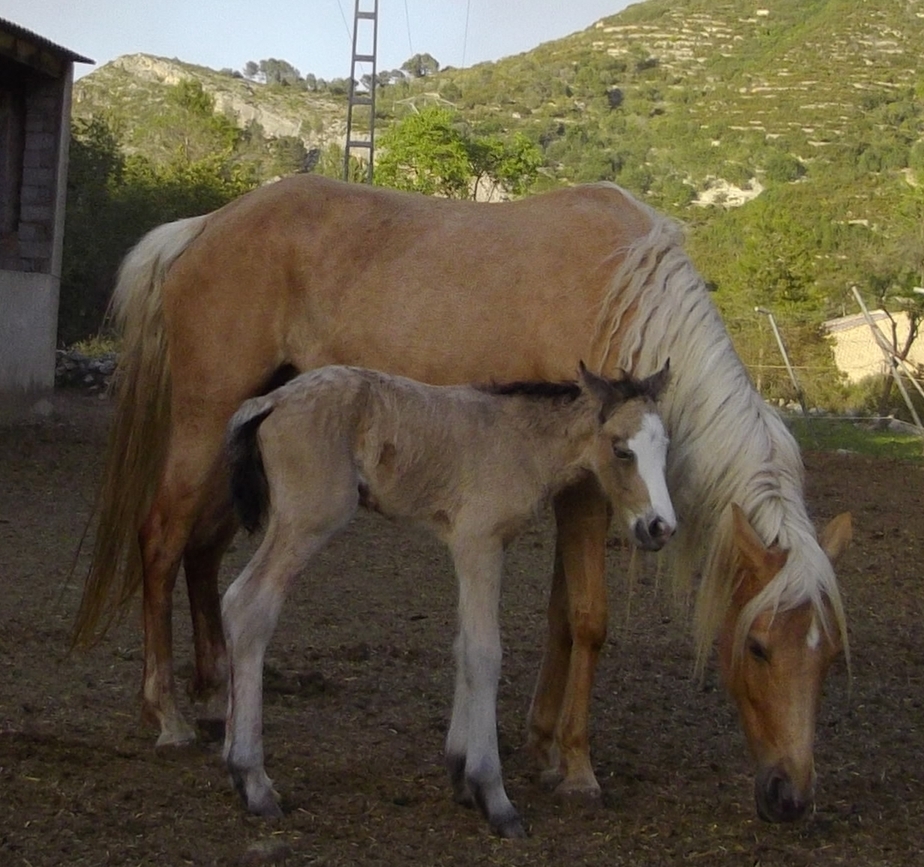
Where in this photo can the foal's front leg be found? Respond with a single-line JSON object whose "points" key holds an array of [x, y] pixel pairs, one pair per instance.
{"points": [[472, 755]]}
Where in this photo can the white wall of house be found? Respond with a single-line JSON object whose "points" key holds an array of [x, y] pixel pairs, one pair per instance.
{"points": [[856, 351], [36, 78]]}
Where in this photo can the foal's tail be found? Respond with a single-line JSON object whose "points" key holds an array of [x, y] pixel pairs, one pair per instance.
{"points": [[139, 432], [249, 487]]}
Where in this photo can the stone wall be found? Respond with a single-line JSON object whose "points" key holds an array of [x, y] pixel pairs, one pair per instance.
{"points": [[73, 369]]}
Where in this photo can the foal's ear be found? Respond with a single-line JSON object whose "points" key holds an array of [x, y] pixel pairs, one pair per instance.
{"points": [[602, 389], [655, 384]]}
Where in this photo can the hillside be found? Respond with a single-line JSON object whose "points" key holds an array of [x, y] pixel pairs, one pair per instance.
{"points": [[788, 135], [132, 89]]}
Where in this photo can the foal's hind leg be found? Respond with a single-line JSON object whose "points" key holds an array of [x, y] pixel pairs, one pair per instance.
{"points": [[250, 611], [559, 715]]}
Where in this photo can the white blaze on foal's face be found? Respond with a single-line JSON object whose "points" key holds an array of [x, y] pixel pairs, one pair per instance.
{"points": [[633, 474], [650, 448]]}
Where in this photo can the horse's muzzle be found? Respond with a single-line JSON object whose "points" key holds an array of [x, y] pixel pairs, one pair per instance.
{"points": [[777, 799], [652, 534]]}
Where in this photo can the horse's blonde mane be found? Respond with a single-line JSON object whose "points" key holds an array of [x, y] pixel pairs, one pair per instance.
{"points": [[727, 445]]}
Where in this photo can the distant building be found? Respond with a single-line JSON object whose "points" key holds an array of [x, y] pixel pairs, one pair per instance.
{"points": [[36, 77], [856, 351]]}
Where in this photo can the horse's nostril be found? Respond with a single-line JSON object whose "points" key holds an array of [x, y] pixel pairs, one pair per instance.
{"points": [[660, 529], [777, 800]]}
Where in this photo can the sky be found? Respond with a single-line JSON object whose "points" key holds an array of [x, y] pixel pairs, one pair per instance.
{"points": [[315, 36]]}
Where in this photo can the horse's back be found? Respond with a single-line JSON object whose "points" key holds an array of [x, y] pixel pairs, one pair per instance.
{"points": [[311, 271]]}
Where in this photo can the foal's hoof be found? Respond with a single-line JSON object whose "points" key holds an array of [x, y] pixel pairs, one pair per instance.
{"points": [[510, 828], [267, 807], [259, 796]]}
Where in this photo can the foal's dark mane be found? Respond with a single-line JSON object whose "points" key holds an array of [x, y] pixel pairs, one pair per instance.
{"points": [[567, 391], [539, 389]]}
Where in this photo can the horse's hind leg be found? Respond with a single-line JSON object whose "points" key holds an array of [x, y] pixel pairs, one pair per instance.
{"points": [[201, 562], [472, 755], [559, 716], [163, 538]]}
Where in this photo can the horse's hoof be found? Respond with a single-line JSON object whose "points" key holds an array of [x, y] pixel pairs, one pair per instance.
{"points": [[579, 792], [551, 778], [176, 738]]}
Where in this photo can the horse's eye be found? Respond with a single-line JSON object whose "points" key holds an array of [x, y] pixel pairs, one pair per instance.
{"points": [[758, 651], [622, 453]]}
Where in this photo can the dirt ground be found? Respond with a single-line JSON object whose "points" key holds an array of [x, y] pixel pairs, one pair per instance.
{"points": [[359, 681]]}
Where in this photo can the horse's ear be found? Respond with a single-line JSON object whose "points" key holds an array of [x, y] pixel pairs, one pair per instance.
{"points": [[657, 382], [837, 535], [761, 562]]}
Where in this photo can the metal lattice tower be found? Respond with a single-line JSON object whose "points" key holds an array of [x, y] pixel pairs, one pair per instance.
{"points": [[365, 18]]}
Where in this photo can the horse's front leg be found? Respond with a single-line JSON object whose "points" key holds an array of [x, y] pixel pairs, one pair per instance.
{"points": [[472, 755], [209, 686], [559, 715]]}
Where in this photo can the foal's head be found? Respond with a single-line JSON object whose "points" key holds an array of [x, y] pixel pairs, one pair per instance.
{"points": [[630, 454]]}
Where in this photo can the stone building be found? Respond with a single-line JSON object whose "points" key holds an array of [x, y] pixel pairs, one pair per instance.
{"points": [[36, 77]]}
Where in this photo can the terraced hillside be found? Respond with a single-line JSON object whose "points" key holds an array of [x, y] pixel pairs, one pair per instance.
{"points": [[788, 134]]}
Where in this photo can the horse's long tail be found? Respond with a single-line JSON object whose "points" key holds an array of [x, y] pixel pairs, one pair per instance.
{"points": [[249, 486], [138, 437]]}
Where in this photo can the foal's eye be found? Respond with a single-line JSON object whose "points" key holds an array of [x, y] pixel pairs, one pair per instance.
{"points": [[758, 651], [622, 453]]}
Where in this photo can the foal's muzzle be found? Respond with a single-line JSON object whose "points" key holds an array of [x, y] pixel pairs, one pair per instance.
{"points": [[777, 799], [652, 534]]}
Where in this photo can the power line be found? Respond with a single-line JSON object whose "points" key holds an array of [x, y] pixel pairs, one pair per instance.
{"points": [[468, 7], [346, 26], [407, 18]]}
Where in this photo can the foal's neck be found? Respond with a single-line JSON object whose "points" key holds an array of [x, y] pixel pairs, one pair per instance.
{"points": [[556, 432]]}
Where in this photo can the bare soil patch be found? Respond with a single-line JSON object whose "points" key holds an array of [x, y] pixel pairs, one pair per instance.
{"points": [[359, 684]]}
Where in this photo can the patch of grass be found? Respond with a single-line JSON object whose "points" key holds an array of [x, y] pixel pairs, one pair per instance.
{"points": [[824, 433], [94, 347]]}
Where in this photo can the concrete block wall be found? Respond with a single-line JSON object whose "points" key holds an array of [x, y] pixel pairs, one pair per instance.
{"points": [[34, 252]]}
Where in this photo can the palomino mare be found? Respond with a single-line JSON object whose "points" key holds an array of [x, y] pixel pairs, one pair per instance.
{"points": [[309, 271], [472, 465]]}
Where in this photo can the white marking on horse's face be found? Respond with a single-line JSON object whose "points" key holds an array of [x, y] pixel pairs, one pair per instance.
{"points": [[813, 637], [650, 447]]}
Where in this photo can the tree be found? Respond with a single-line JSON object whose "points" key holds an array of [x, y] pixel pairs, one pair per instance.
{"points": [[426, 153], [893, 276], [113, 199], [421, 65], [279, 72], [189, 128], [431, 151]]}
